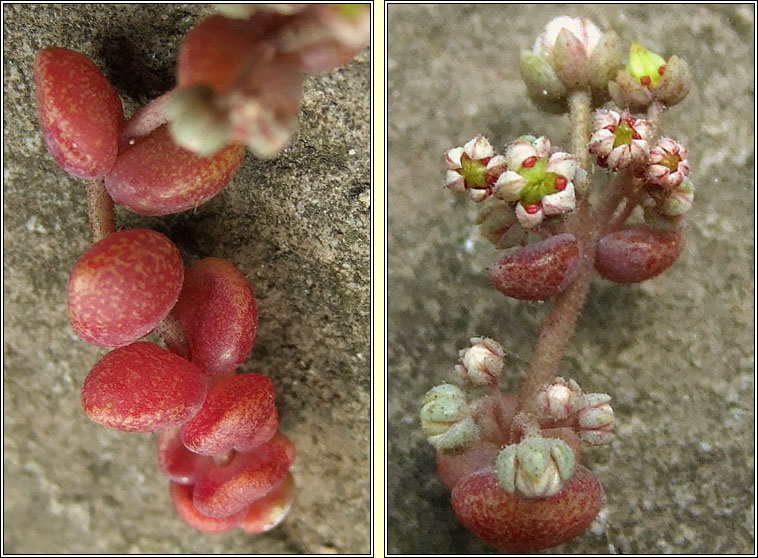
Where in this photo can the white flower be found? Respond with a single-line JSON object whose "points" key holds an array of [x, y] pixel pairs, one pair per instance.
{"points": [[619, 141], [474, 168], [667, 164]]}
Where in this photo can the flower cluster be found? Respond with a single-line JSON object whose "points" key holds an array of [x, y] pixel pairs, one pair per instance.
{"points": [[240, 77], [621, 142], [534, 179]]}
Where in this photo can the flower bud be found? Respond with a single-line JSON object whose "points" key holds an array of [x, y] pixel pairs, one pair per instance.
{"points": [[649, 77], [445, 418], [195, 122], [596, 420], [536, 467], [571, 53], [680, 200], [481, 363], [561, 399]]}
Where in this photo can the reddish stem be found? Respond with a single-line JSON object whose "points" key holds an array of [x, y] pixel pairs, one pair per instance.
{"points": [[560, 323], [102, 221]]}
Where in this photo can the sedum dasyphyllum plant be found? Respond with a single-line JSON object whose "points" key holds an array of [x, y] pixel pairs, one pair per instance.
{"points": [[239, 84], [513, 460]]}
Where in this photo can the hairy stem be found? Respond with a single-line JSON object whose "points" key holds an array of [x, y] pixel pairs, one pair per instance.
{"points": [[654, 112], [560, 322], [579, 110], [102, 221]]}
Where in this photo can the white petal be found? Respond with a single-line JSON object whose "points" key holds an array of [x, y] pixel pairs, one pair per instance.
{"points": [[638, 152], [602, 118], [478, 195], [528, 220], [644, 128], [478, 148], [509, 185], [620, 157], [669, 145], [453, 158], [601, 143], [657, 172], [455, 181], [497, 161], [517, 152], [563, 164], [542, 146], [657, 154], [560, 202], [672, 181]]}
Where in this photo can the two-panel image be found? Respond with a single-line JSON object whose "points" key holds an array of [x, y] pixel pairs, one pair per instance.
{"points": [[228, 329]]}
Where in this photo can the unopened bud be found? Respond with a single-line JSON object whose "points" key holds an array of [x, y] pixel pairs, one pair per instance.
{"points": [[596, 420], [536, 467], [445, 418], [561, 399], [195, 122], [481, 363]]}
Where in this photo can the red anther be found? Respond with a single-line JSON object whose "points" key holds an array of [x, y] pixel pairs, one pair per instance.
{"points": [[532, 208], [630, 120], [602, 161], [611, 128], [636, 136], [529, 162], [465, 157], [645, 80], [560, 184], [662, 69], [485, 160]]}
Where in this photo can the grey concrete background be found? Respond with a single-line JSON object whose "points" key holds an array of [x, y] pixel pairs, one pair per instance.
{"points": [[675, 353], [298, 227]]}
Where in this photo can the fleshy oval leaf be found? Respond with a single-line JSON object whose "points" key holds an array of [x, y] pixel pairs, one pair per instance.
{"points": [[537, 271]]}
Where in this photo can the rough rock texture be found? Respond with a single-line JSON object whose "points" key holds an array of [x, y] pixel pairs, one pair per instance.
{"points": [[676, 353], [298, 228]]}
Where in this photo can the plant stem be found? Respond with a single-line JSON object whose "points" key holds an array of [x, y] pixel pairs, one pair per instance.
{"points": [[579, 110], [654, 112], [560, 322], [102, 221], [145, 120]]}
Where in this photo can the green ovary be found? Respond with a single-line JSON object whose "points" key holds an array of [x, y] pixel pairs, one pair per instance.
{"points": [[474, 173], [624, 135], [541, 183]]}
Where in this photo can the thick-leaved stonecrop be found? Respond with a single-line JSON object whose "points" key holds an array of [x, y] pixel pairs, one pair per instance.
{"points": [[513, 460], [239, 84]]}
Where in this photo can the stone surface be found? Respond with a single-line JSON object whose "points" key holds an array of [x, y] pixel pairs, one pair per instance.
{"points": [[676, 353], [297, 226]]}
